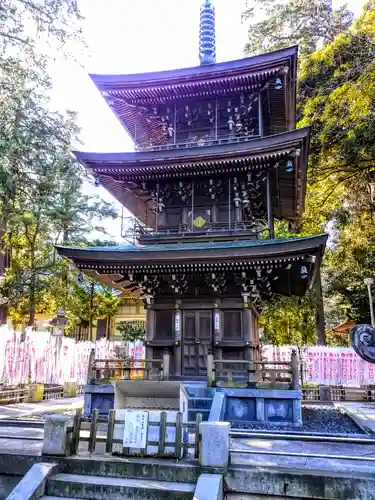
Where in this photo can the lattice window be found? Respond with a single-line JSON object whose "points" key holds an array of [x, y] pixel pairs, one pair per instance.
{"points": [[164, 324], [233, 325]]}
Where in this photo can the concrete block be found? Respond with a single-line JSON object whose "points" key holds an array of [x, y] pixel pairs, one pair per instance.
{"points": [[33, 484], [57, 438], [100, 397], [215, 444], [36, 392], [217, 408], [209, 487], [70, 389]]}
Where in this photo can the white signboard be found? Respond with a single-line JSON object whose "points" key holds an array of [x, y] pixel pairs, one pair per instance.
{"points": [[177, 321], [135, 429], [217, 321]]}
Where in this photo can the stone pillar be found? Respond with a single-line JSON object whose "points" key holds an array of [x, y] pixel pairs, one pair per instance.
{"points": [[209, 487], [214, 450], [36, 392], [57, 435]]}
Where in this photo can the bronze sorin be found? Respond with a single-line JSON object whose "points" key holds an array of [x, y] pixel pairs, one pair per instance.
{"points": [[362, 338]]}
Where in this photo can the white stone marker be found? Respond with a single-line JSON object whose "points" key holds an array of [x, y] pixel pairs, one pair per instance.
{"points": [[215, 444]]}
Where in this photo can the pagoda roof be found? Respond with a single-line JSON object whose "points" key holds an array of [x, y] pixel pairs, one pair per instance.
{"points": [[126, 93], [107, 264], [120, 171]]}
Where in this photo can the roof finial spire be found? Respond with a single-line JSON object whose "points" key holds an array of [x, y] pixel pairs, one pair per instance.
{"points": [[207, 38]]}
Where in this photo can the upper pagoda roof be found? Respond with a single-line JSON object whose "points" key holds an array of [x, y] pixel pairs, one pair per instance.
{"points": [[126, 93]]}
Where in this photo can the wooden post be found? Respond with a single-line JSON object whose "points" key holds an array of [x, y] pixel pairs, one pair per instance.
{"points": [[178, 441], [166, 362], [295, 370], [76, 431], [251, 377], [210, 370], [110, 431], [271, 228], [198, 421], [90, 369], [162, 432], [319, 310], [93, 430]]}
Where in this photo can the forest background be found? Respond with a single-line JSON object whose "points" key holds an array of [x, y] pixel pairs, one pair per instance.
{"points": [[42, 196]]}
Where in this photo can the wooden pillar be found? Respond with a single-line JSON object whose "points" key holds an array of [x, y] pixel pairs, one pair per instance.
{"points": [[177, 351], [269, 206], [319, 310], [218, 335], [260, 115], [150, 331]]}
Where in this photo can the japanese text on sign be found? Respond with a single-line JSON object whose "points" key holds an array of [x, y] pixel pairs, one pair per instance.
{"points": [[135, 429]]}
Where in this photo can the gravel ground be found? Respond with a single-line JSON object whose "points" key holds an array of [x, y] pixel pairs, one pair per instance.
{"points": [[321, 419]]}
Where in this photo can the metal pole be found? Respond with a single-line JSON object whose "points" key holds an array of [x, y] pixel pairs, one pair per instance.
{"points": [[271, 228], [369, 282]]}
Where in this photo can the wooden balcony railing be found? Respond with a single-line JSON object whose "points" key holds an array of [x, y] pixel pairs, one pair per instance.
{"points": [[134, 229], [200, 142], [128, 369], [253, 372]]}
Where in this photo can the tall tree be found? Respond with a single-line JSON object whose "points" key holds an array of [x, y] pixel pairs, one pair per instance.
{"points": [[275, 24], [337, 99]]}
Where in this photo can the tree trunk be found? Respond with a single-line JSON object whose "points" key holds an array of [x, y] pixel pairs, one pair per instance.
{"points": [[319, 311]]}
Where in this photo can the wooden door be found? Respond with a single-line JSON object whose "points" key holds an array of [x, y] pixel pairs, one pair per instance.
{"points": [[197, 340]]}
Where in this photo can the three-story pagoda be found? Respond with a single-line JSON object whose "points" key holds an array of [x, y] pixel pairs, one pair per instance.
{"points": [[218, 158]]}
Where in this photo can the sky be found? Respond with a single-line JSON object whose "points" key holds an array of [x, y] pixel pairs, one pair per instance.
{"points": [[124, 36]]}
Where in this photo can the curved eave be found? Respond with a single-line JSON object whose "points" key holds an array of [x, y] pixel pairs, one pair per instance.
{"points": [[111, 162], [261, 250], [119, 169], [111, 266], [130, 96], [196, 73]]}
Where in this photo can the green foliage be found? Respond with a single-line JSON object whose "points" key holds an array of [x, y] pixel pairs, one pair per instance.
{"points": [[336, 98], [289, 320], [284, 23], [41, 184], [131, 331]]}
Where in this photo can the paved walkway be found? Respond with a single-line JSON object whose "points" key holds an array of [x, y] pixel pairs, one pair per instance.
{"points": [[48, 406], [363, 414], [285, 461]]}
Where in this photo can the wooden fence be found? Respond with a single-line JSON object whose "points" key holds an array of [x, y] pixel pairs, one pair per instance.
{"points": [[186, 435]]}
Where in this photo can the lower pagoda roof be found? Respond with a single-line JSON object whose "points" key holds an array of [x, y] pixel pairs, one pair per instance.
{"points": [[283, 266], [123, 174]]}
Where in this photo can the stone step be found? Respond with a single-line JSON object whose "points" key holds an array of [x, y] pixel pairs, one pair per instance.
{"points": [[102, 488], [47, 497], [134, 468]]}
